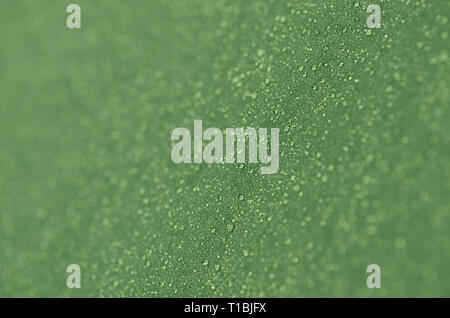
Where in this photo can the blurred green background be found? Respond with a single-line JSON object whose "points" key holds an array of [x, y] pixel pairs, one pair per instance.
{"points": [[86, 175]]}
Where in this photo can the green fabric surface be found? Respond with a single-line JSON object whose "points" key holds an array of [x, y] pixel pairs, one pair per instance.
{"points": [[86, 175]]}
